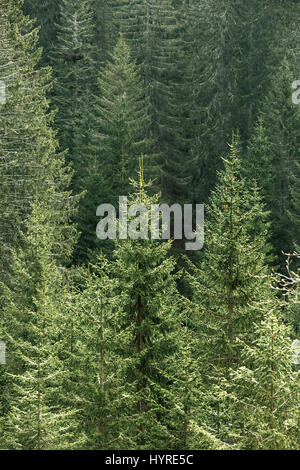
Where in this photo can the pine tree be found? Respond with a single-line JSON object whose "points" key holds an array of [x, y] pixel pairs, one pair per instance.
{"points": [[30, 320], [121, 136]]}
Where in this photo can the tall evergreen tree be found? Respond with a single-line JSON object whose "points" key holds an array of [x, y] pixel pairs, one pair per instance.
{"points": [[73, 61], [294, 213], [106, 30], [230, 285], [121, 136], [29, 164], [111, 356], [148, 329], [30, 321], [288, 285], [152, 29], [266, 389], [96, 384], [234, 256], [234, 49], [272, 158], [46, 14]]}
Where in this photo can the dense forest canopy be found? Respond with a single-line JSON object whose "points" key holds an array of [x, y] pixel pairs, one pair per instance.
{"points": [[134, 342]]}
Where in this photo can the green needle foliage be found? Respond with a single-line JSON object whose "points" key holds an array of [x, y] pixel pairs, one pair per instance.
{"points": [[153, 33], [266, 389], [36, 417], [272, 159], [148, 322], [294, 212], [29, 164], [46, 14], [230, 280], [288, 285], [124, 343], [231, 286], [73, 61], [234, 49], [97, 385], [121, 134]]}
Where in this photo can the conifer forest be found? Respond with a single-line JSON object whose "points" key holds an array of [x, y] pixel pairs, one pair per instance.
{"points": [[112, 338]]}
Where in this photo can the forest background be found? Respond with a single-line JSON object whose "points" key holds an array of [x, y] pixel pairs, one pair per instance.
{"points": [[138, 344]]}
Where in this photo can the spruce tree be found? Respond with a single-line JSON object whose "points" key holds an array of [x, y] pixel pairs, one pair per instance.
{"points": [[30, 324], [230, 285], [234, 256], [288, 286], [46, 15], [265, 389], [121, 135], [73, 62], [234, 50], [107, 387], [294, 213], [29, 164], [148, 329], [106, 30], [188, 389], [258, 162], [153, 33], [96, 386], [272, 159]]}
